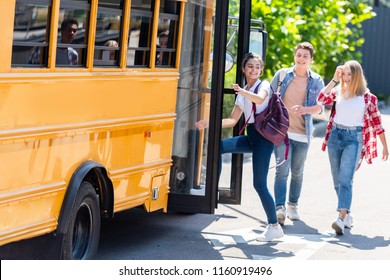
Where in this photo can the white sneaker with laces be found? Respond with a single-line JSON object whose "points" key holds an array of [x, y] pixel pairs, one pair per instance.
{"points": [[338, 226], [271, 232], [348, 221], [281, 214], [292, 212]]}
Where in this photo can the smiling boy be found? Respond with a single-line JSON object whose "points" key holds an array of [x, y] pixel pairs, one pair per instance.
{"points": [[299, 90]]}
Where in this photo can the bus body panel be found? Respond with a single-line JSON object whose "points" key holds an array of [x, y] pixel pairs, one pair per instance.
{"points": [[131, 137]]}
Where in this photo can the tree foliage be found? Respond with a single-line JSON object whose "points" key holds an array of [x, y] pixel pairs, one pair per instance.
{"points": [[332, 26]]}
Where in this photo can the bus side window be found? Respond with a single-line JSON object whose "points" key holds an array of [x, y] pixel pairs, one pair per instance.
{"points": [[108, 33], [168, 24], [141, 18], [31, 33], [72, 34]]}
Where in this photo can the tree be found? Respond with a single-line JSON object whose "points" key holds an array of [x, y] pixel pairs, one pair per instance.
{"points": [[333, 27]]}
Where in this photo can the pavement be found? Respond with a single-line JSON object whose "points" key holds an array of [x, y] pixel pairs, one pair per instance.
{"points": [[230, 233], [313, 237]]}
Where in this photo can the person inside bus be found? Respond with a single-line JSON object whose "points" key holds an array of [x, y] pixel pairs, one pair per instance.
{"points": [[256, 91], [109, 54], [65, 55], [162, 44]]}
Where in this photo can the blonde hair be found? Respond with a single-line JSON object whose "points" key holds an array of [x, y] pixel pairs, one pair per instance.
{"points": [[111, 43], [358, 84]]}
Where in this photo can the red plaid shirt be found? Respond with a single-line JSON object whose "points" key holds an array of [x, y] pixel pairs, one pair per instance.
{"points": [[371, 128]]}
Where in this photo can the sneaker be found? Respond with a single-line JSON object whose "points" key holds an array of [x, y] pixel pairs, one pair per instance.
{"points": [[281, 214], [271, 232], [348, 221], [292, 212], [338, 226]]}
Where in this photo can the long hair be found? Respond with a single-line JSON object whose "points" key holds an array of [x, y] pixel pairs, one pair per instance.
{"points": [[358, 84]]}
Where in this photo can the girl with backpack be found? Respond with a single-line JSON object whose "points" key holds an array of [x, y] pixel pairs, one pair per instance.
{"points": [[253, 142]]}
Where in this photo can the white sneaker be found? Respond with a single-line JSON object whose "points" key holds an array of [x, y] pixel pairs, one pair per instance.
{"points": [[292, 212], [348, 221], [281, 214], [338, 226], [271, 232]]}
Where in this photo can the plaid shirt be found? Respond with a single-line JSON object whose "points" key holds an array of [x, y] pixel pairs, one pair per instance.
{"points": [[371, 128]]}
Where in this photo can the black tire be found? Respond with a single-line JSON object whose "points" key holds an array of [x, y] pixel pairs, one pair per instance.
{"points": [[81, 239]]}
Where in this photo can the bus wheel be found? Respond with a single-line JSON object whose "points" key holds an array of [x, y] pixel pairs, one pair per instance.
{"points": [[81, 239]]}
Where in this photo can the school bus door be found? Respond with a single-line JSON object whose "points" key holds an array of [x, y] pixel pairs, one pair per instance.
{"points": [[204, 86]]}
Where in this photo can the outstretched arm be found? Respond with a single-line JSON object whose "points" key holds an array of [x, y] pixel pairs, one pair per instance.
{"points": [[228, 122], [257, 98]]}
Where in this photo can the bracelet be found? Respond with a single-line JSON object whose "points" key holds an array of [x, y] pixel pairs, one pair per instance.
{"points": [[334, 81]]}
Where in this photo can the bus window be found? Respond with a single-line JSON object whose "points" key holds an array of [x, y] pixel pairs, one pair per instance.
{"points": [[167, 30], [31, 34], [108, 26], [72, 33], [141, 16]]}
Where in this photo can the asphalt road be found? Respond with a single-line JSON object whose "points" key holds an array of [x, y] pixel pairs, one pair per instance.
{"points": [[230, 233]]}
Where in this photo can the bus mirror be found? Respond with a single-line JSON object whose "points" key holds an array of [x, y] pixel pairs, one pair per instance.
{"points": [[229, 62]]}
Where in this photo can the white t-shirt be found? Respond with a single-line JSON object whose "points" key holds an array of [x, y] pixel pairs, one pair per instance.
{"points": [[349, 111], [245, 104]]}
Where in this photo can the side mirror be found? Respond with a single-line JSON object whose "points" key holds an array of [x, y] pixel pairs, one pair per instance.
{"points": [[229, 61]]}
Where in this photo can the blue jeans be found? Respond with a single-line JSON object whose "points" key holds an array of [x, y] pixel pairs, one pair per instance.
{"points": [[261, 150], [344, 147], [295, 162]]}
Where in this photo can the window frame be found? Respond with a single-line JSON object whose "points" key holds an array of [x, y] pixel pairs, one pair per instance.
{"points": [[143, 50], [34, 44], [99, 48], [121, 62]]}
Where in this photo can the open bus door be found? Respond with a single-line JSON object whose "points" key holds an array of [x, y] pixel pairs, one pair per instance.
{"points": [[209, 52]]}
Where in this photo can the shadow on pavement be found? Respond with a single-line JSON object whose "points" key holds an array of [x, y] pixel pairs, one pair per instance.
{"points": [[137, 235], [359, 241]]}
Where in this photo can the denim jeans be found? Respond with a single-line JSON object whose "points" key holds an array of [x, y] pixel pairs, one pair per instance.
{"points": [[344, 147], [295, 162], [261, 150]]}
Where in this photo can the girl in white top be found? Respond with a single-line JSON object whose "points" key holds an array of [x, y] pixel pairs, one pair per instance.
{"points": [[253, 142], [354, 123]]}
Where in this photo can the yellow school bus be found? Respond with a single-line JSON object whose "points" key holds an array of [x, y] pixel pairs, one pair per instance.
{"points": [[88, 106]]}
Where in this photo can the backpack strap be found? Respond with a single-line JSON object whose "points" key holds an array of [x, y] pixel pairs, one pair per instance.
{"points": [[253, 110], [282, 75], [287, 143]]}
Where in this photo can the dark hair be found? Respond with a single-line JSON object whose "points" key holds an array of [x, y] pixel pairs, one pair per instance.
{"points": [[305, 46], [67, 22], [252, 55]]}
